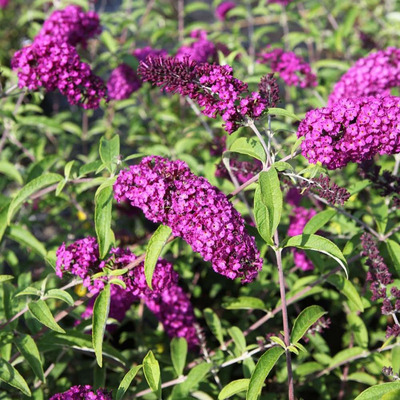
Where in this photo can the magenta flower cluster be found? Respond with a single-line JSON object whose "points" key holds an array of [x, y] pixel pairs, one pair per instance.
{"points": [[298, 220], [353, 130], [373, 75], [169, 193], [291, 68], [123, 82], [80, 392], [212, 86], [380, 277], [71, 25], [52, 61], [201, 50], [223, 9]]}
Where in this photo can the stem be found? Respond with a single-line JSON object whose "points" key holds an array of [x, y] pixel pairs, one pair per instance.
{"points": [[264, 145], [286, 331]]}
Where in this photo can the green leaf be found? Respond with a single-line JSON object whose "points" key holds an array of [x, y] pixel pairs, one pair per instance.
{"points": [[377, 392], [248, 146], [238, 337], [394, 252], [359, 330], [194, 377], [152, 373], [271, 196], [234, 387], [345, 287], [179, 349], [393, 395], [214, 324], [11, 171], [102, 219], [344, 355], [263, 368], [41, 311], [126, 381], [261, 216], [100, 314], [362, 377], [60, 295], [245, 303], [25, 238], [307, 368], [283, 113], [29, 189], [27, 347], [153, 251], [29, 291], [3, 217], [10, 375], [109, 152], [308, 317], [317, 243], [396, 359], [4, 278], [318, 221]]}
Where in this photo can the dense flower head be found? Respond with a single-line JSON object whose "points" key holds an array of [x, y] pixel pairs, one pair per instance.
{"points": [[71, 25], [201, 50], [81, 392], [81, 258], [142, 53], [354, 130], [169, 193], [223, 9], [212, 86], [174, 310], [373, 75], [57, 65], [298, 220], [291, 68], [123, 82]]}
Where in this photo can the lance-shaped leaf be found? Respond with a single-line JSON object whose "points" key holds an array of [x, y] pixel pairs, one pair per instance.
{"points": [[248, 146], [29, 189], [263, 368], [100, 314], [102, 219], [234, 387], [109, 152], [60, 295], [27, 347], [10, 375], [11, 171], [377, 392], [346, 288], [318, 221], [152, 373], [41, 311], [25, 238], [261, 216], [4, 278], [179, 349], [283, 113], [244, 303], [126, 381], [317, 243], [308, 317], [394, 252], [214, 324], [153, 251], [194, 377]]}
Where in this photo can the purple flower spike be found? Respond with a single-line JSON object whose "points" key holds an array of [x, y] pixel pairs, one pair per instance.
{"points": [[80, 392], [223, 9], [123, 82], [169, 193]]}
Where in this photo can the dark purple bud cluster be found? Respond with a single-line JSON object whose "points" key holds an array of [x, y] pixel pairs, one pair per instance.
{"points": [[213, 87], [327, 189], [53, 62], [298, 220], [291, 68], [380, 277], [354, 130], [322, 324], [80, 392], [169, 193], [269, 90], [243, 170]]}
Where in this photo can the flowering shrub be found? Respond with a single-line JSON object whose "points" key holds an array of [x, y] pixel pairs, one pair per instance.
{"points": [[199, 200]]}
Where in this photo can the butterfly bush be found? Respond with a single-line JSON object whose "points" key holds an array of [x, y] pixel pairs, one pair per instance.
{"points": [[169, 193], [175, 311], [123, 82], [380, 277], [52, 61], [298, 220], [71, 25], [373, 75], [212, 86], [293, 70], [201, 50], [223, 9], [80, 392], [354, 130]]}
